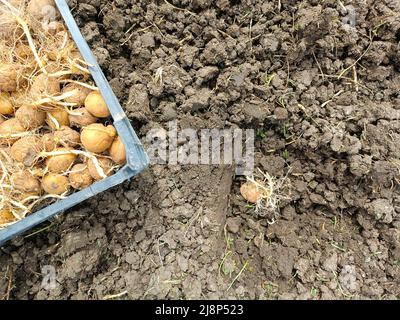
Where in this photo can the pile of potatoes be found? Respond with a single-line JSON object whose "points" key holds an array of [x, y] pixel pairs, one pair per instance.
{"points": [[55, 130]]}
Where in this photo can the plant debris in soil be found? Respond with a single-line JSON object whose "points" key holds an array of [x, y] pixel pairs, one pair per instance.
{"points": [[322, 92]]}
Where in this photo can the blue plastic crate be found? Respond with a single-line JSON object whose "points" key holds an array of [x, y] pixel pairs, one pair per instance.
{"points": [[137, 160]]}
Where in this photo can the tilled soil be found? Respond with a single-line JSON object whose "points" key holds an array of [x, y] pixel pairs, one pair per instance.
{"points": [[319, 81]]}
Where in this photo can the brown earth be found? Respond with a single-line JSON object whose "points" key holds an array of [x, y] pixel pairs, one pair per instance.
{"points": [[323, 96]]}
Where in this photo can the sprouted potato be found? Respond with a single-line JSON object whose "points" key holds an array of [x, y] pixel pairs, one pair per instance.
{"points": [[55, 135], [49, 142], [39, 9], [97, 137], [56, 184], [8, 77], [6, 106], [26, 183], [57, 118], [26, 150], [60, 160], [6, 216], [44, 86], [30, 117], [106, 168], [10, 130], [67, 137], [251, 192], [79, 94]]}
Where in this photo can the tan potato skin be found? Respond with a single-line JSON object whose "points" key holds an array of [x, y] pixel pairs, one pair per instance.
{"points": [[37, 8], [96, 105], [61, 163], [6, 216], [55, 184], [105, 163], [30, 117], [80, 177], [67, 137], [8, 78], [44, 86], [81, 118], [79, 97], [97, 138], [8, 128], [48, 142], [26, 183], [26, 150], [61, 116], [250, 192], [118, 151], [6, 106]]}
